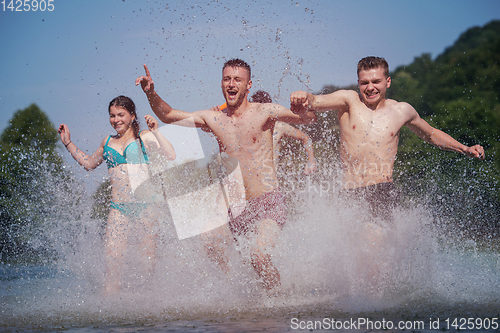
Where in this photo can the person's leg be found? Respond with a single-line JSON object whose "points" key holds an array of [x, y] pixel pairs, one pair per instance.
{"points": [[370, 263], [266, 235], [369, 235], [147, 226], [382, 199], [258, 228], [114, 243], [216, 243]]}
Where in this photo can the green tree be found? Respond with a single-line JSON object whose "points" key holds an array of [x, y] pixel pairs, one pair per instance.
{"points": [[33, 185]]}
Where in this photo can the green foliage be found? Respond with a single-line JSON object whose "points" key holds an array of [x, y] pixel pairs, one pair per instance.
{"points": [[33, 185], [457, 93], [410, 84], [102, 200], [29, 128]]}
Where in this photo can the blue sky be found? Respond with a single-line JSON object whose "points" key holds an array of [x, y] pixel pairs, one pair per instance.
{"points": [[72, 61]]}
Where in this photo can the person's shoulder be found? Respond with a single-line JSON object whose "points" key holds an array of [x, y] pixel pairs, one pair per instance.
{"points": [[404, 109], [105, 140], [206, 114], [341, 97], [346, 93], [266, 106], [402, 106]]}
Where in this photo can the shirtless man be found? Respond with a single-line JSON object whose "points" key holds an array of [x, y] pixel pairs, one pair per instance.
{"points": [[243, 131], [369, 132]]}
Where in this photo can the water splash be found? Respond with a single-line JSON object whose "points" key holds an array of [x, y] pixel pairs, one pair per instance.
{"points": [[326, 262]]}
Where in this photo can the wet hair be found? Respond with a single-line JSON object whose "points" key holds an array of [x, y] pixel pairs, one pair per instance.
{"points": [[373, 62], [238, 63], [260, 96], [126, 103]]}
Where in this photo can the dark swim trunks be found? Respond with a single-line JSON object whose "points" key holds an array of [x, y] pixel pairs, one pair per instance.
{"points": [[382, 198], [267, 206]]}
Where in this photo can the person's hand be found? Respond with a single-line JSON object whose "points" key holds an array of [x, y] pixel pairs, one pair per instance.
{"points": [[476, 151], [299, 102], [151, 122], [63, 131], [146, 82]]}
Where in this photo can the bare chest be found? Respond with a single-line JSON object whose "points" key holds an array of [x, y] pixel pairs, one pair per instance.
{"points": [[365, 126], [240, 134]]}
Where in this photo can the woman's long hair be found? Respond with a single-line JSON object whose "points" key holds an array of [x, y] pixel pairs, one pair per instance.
{"points": [[127, 104]]}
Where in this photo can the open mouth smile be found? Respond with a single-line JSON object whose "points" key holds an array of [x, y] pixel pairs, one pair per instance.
{"points": [[232, 94]]}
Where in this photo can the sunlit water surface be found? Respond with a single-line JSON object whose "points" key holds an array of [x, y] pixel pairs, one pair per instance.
{"points": [[329, 270], [328, 267]]}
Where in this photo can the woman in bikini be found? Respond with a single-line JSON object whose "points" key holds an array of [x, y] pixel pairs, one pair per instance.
{"points": [[126, 155]]}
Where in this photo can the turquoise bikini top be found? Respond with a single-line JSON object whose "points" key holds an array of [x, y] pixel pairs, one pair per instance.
{"points": [[131, 155]]}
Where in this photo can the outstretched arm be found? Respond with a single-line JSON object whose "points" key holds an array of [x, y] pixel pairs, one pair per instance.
{"points": [[162, 109], [280, 113], [89, 162], [439, 138], [292, 132], [337, 100]]}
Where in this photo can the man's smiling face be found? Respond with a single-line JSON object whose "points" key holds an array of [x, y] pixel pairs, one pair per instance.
{"points": [[235, 85], [373, 85]]}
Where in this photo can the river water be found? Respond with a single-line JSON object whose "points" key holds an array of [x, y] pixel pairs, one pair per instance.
{"points": [[332, 277]]}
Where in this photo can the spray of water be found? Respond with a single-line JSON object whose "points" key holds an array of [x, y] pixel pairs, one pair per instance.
{"points": [[333, 258]]}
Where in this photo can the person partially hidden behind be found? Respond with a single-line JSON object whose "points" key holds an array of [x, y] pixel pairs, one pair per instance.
{"points": [[244, 132], [282, 130], [369, 133]]}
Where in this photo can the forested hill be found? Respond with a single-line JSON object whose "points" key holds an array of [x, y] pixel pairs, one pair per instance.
{"points": [[460, 89], [459, 93]]}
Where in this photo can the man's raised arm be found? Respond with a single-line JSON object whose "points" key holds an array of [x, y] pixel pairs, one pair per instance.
{"points": [[162, 109], [300, 115], [334, 101]]}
